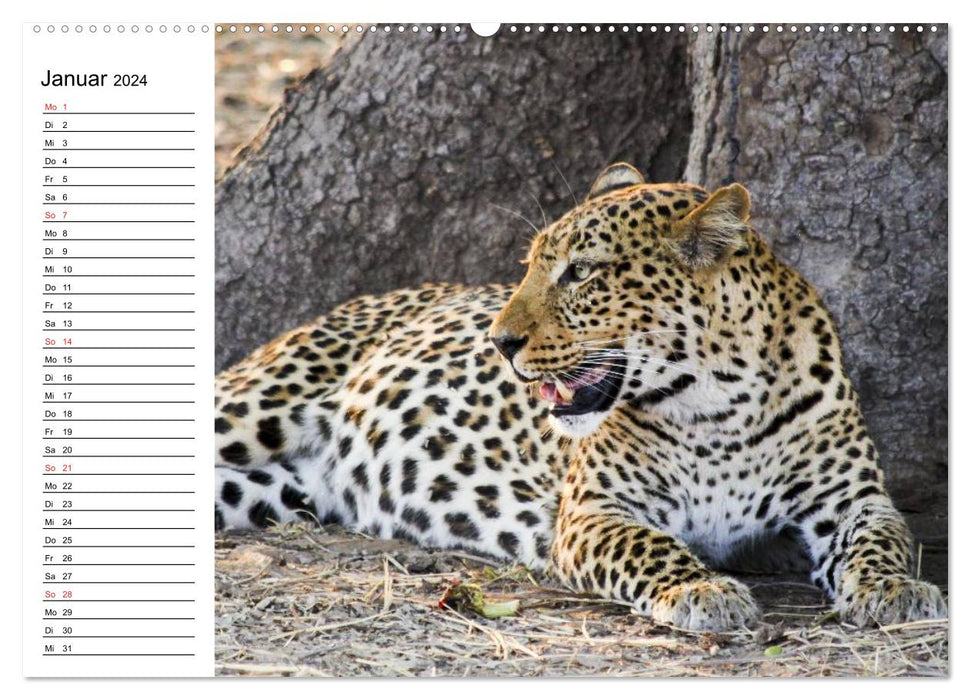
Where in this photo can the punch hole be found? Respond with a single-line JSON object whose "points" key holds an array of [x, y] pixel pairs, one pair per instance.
{"points": [[485, 28]]}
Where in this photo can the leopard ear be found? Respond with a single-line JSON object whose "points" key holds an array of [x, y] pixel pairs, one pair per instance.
{"points": [[615, 177], [715, 228]]}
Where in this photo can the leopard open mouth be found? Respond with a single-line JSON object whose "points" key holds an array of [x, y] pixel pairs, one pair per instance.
{"points": [[574, 393]]}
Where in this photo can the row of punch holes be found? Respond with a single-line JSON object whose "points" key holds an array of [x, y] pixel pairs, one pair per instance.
{"points": [[121, 28], [570, 28], [513, 28]]}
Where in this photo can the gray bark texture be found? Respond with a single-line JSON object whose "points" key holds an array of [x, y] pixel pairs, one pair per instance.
{"points": [[417, 157], [842, 142]]}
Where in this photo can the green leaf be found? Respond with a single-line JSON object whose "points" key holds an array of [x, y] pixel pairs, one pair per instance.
{"points": [[773, 650], [500, 609]]}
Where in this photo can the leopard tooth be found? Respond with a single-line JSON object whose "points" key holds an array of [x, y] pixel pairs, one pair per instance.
{"points": [[564, 391]]}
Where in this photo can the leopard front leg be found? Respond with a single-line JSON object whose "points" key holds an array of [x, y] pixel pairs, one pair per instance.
{"points": [[863, 558], [600, 549]]}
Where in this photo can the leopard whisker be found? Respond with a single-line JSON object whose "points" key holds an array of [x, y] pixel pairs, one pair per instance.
{"points": [[567, 183], [517, 215], [546, 223], [597, 359], [632, 336], [570, 375]]}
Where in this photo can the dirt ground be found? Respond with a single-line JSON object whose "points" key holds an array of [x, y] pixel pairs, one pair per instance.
{"points": [[299, 600]]}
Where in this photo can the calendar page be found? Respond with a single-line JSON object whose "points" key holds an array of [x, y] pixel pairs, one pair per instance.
{"points": [[118, 347], [524, 349]]}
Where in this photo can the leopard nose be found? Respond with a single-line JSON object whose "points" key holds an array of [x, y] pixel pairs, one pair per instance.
{"points": [[509, 344]]}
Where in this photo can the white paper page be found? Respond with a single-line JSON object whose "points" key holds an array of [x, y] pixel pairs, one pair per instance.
{"points": [[117, 340]]}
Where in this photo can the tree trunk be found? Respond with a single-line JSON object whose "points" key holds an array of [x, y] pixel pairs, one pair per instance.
{"points": [[842, 141], [417, 157]]}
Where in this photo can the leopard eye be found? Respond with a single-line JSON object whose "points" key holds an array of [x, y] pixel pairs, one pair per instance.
{"points": [[581, 271], [577, 272]]}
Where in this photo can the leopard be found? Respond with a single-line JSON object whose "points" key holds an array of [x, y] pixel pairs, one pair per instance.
{"points": [[659, 396]]}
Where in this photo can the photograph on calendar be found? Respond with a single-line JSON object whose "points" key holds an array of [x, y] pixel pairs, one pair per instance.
{"points": [[581, 350]]}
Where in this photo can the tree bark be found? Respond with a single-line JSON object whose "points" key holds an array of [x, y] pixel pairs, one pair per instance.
{"points": [[842, 141], [414, 158], [417, 157]]}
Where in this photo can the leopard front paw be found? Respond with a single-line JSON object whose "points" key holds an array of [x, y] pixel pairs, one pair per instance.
{"points": [[715, 604], [890, 600]]}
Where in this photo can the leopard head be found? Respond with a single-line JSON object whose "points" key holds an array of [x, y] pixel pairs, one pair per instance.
{"points": [[617, 295]]}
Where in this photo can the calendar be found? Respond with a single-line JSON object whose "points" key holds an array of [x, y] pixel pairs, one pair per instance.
{"points": [[117, 348], [543, 349]]}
